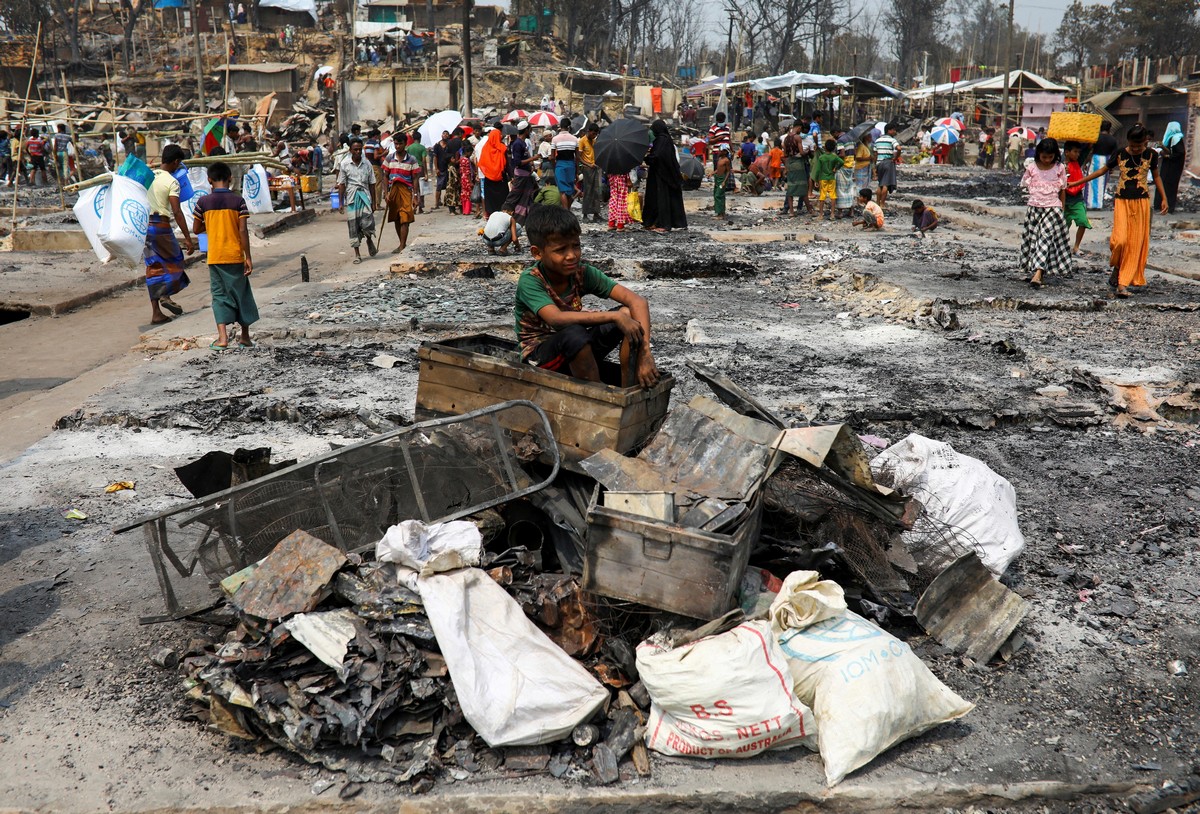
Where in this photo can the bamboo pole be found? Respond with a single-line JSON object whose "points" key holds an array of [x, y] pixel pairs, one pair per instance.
{"points": [[37, 49], [199, 161], [70, 123], [112, 111]]}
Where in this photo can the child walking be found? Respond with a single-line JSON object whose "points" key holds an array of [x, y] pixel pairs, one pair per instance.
{"points": [[1044, 247], [223, 215], [1074, 208]]}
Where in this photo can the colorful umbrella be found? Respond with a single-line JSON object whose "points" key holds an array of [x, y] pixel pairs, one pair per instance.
{"points": [[944, 134], [543, 118], [1026, 133], [949, 122], [515, 115], [622, 146], [214, 135]]}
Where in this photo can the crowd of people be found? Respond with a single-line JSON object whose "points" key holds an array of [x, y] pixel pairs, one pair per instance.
{"points": [[823, 173], [497, 175]]}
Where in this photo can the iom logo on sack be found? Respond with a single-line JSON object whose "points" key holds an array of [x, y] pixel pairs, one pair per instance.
{"points": [[136, 216], [251, 185], [98, 202]]}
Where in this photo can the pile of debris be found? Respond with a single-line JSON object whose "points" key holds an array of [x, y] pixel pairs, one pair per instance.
{"points": [[537, 620], [307, 121]]}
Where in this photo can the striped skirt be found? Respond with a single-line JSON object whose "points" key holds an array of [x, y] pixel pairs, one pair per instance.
{"points": [[1093, 192]]}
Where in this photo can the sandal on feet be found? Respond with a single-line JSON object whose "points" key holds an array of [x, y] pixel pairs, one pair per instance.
{"points": [[242, 344], [163, 321], [171, 306], [1035, 281], [214, 346], [357, 260], [1122, 292]]}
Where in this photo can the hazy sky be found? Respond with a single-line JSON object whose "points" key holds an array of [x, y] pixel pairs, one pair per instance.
{"points": [[1037, 14]]}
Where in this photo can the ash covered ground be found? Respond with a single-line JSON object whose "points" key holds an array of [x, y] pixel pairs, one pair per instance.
{"points": [[1088, 405]]}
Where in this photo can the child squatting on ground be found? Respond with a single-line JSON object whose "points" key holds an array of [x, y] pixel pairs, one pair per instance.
{"points": [[924, 218], [554, 331], [223, 215], [872, 216]]}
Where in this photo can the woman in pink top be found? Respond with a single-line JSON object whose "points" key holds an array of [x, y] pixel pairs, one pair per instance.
{"points": [[1044, 244]]}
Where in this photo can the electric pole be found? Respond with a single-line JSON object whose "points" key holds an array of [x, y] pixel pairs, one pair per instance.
{"points": [[1007, 71], [466, 59]]}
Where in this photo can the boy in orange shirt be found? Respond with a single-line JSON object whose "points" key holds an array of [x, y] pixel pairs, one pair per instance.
{"points": [[775, 164], [223, 215]]}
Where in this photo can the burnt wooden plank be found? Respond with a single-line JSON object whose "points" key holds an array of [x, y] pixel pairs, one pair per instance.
{"points": [[568, 430]]}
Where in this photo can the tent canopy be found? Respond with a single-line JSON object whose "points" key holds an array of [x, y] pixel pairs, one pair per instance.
{"points": [[303, 6], [865, 88], [1018, 80], [793, 79]]}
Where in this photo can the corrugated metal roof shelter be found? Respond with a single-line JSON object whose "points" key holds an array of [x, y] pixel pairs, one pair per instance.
{"points": [[1152, 105]]}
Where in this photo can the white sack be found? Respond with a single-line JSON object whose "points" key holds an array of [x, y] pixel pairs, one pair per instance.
{"points": [[514, 685], [125, 219], [430, 549], [804, 600], [958, 490], [724, 696], [869, 691], [198, 177], [89, 211], [256, 191]]}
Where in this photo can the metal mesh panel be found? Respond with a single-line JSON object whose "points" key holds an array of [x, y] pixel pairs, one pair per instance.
{"points": [[435, 471]]}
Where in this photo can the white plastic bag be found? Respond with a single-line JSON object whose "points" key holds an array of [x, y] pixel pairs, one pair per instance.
{"points": [[198, 177], [724, 696], [869, 691], [958, 490], [89, 211], [514, 685], [430, 549], [804, 600], [256, 191], [125, 219]]}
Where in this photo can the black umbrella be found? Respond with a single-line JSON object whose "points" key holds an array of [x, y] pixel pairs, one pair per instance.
{"points": [[622, 146]]}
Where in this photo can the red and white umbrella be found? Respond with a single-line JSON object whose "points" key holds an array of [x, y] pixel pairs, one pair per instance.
{"points": [[949, 122], [1026, 133], [515, 115], [543, 118]]}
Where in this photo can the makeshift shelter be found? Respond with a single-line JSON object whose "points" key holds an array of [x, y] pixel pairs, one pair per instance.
{"points": [[251, 82], [1152, 105], [274, 14]]}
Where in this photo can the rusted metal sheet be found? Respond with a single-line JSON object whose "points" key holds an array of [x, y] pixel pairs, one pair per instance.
{"points": [[704, 450], [291, 579], [968, 611]]}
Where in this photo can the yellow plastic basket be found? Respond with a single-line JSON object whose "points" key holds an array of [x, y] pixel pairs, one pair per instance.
{"points": [[1082, 127]]}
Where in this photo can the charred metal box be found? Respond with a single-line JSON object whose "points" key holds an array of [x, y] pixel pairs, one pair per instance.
{"points": [[664, 565], [467, 373]]}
